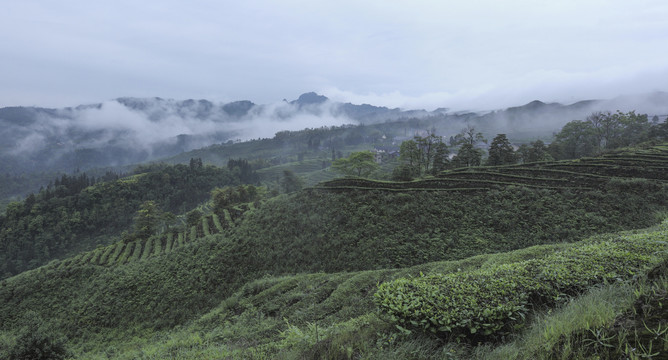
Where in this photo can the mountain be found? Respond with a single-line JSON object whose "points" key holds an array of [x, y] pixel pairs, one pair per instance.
{"points": [[135, 130]]}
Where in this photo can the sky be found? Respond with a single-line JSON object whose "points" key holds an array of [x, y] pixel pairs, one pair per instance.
{"points": [[463, 55]]}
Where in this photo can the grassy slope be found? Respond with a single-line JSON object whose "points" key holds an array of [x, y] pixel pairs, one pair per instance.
{"points": [[333, 316], [313, 231]]}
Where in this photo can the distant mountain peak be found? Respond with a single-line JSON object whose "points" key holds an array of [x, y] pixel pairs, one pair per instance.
{"points": [[309, 98]]}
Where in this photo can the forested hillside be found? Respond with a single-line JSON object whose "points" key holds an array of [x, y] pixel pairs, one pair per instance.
{"points": [[227, 276], [77, 214]]}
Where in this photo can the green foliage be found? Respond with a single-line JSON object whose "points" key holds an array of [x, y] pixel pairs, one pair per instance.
{"points": [[148, 248], [118, 248], [37, 340], [501, 151], [76, 217], [228, 197], [216, 222], [157, 245], [205, 226], [467, 156], [170, 242], [291, 182], [492, 301], [146, 220], [341, 232], [137, 251], [601, 131], [193, 233], [127, 251], [193, 218], [422, 155], [360, 163]]}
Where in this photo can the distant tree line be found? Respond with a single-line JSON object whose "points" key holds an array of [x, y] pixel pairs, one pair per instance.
{"points": [[601, 131]]}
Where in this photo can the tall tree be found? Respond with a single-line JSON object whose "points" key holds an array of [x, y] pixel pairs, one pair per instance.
{"points": [[468, 135], [360, 163], [441, 158], [538, 152], [501, 151], [467, 156], [605, 127], [291, 182], [576, 139], [147, 219], [422, 154], [523, 153], [635, 128]]}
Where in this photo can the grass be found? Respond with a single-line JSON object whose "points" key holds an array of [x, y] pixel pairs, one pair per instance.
{"points": [[332, 316]]}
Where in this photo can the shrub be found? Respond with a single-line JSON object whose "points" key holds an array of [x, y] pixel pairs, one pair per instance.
{"points": [[492, 301], [36, 340]]}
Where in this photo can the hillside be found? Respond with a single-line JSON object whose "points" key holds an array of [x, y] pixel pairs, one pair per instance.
{"points": [[294, 275], [78, 215]]}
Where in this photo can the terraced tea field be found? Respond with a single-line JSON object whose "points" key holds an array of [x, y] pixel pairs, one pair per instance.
{"points": [[581, 174]]}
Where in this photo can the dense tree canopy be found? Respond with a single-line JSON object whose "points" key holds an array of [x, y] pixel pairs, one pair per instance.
{"points": [[467, 156], [423, 155], [73, 216], [501, 151], [360, 163], [603, 131]]}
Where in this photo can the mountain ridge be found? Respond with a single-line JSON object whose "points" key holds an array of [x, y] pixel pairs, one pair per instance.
{"points": [[130, 130]]}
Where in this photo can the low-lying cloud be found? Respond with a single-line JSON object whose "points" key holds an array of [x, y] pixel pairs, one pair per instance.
{"points": [[160, 127]]}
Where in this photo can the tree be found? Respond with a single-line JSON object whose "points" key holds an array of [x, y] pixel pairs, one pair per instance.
{"points": [[36, 340], [196, 164], [193, 218], [468, 135], [402, 172], [467, 156], [523, 153], [229, 196], [360, 163], [409, 154], [605, 127], [601, 131], [422, 154], [659, 130], [501, 151], [538, 152], [147, 219], [291, 182], [441, 158], [576, 139], [635, 128]]}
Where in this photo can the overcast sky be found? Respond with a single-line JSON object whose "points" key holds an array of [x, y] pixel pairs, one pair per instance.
{"points": [[412, 54]]}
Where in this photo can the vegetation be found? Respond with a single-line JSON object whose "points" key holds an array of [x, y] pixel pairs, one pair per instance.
{"points": [[361, 163], [422, 155], [531, 260], [76, 216], [604, 131], [495, 300]]}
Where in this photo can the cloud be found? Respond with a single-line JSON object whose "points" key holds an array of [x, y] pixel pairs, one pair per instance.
{"points": [[544, 85], [267, 120], [155, 127], [423, 53]]}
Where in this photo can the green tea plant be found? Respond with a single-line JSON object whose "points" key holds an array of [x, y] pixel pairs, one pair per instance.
{"points": [[495, 300]]}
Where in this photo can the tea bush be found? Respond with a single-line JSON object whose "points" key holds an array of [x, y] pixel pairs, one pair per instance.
{"points": [[493, 301]]}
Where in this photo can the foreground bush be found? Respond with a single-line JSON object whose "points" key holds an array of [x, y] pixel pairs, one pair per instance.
{"points": [[494, 301]]}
